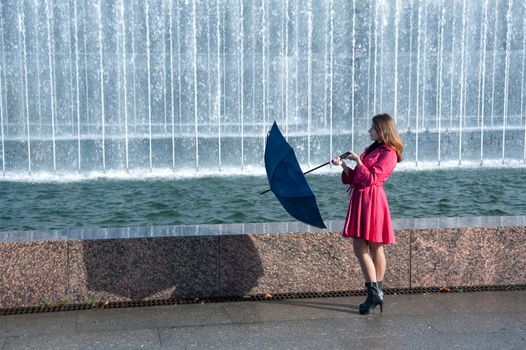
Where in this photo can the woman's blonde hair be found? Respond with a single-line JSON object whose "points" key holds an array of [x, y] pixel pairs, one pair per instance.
{"points": [[386, 128]]}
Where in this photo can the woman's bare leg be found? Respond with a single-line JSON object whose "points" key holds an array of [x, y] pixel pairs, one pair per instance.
{"points": [[378, 256], [361, 250]]}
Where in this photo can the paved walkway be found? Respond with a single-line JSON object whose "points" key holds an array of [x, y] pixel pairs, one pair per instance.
{"points": [[483, 320]]}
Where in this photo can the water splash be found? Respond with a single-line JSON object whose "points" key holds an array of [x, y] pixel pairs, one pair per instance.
{"points": [[104, 86]]}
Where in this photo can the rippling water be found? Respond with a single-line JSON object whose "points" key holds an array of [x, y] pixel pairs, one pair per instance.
{"points": [[235, 199]]}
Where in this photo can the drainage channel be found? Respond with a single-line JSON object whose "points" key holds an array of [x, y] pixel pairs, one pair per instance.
{"points": [[257, 297]]}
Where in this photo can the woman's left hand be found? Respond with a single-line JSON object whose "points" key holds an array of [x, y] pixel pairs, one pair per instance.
{"points": [[353, 156]]}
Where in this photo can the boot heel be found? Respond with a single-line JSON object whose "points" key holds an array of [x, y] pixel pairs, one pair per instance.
{"points": [[375, 297]]}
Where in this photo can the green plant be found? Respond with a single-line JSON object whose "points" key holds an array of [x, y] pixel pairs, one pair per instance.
{"points": [[96, 303], [46, 304]]}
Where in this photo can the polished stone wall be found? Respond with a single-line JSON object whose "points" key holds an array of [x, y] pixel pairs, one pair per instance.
{"points": [[121, 264]]}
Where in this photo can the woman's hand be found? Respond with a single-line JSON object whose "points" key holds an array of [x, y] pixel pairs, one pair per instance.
{"points": [[353, 156], [336, 161]]}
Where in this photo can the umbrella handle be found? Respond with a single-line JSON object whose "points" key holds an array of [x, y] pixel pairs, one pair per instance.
{"points": [[324, 164], [311, 170]]}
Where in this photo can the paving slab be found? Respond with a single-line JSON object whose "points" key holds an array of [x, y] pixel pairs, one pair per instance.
{"points": [[486, 341], [268, 335], [289, 345], [151, 317], [415, 304], [277, 333], [294, 309], [474, 323], [516, 340], [521, 316], [136, 339], [505, 301], [36, 324], [419, 342]]}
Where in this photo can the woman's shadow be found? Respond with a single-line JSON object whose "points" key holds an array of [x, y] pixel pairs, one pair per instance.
{"points": [[206, 266]]}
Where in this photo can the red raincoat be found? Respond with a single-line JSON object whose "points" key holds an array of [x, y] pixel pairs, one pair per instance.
{"points": [[368, 216]]}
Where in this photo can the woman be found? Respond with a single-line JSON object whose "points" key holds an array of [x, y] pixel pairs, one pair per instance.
{"points": [[368, 219]]}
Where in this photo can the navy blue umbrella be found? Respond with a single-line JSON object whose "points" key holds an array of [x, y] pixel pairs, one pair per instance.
{"points": [[287, 181]]}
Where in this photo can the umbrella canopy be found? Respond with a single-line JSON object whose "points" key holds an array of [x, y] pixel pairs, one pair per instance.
{"points": [[287, 181]]}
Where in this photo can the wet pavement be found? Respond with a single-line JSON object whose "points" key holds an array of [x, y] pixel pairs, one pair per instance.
{"points": [[475, 320]]}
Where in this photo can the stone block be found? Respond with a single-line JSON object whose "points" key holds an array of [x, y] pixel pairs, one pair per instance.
{"points": [[33, 273]]}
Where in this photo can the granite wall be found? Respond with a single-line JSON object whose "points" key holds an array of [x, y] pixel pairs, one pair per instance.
{"points": [[85, 266]]}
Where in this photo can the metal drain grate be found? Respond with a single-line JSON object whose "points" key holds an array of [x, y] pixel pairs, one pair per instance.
{"points": [[268, 296]]}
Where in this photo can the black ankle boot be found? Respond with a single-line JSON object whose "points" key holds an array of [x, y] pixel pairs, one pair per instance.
{"points": [[375, 296], [380, 294], [362, 305], [381, 289]]}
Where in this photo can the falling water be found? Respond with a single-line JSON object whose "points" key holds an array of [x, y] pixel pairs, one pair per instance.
{"points": [[2, 120], [309, 78], [326, 68], [264, 65], [77, 82], [117, 86], [118, 54], [494, 63], [424, 69], [506, 77], [86, 72], [149, 84], [51, 91], [353, 82], [165, 54], [375, 58], [418, 57], [194, 66], [369, 60], [24, 74], [286, 83], [208, 60], [70, 60], [2, 124], [133, 68], [463, 59], [381, 59], [296, 68], [253, 69], [397, 25], [125, 85], [101, 79], [409, 91], [219, 94], [2, 80], [523, 112], [179, 76], [224, 78], [241, 82], [482, 82], [331, 70], [172, 106], [37, 65], [438, 101], [452, 81]]}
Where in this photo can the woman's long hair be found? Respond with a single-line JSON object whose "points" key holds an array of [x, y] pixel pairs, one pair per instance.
{"points": [[386, 128]]}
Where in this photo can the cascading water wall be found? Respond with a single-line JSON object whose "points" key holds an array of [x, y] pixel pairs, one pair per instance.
{"points": [[193, 86]]}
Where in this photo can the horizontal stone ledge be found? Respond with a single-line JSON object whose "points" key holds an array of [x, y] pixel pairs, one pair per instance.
{"points": [[265, 259], [249, 229]]}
